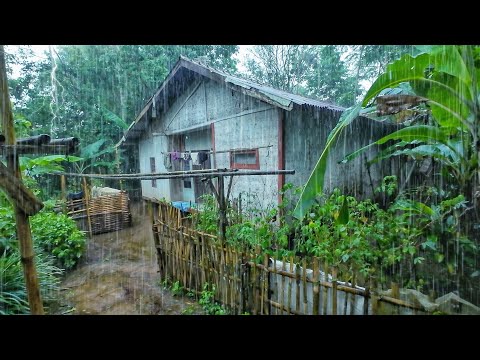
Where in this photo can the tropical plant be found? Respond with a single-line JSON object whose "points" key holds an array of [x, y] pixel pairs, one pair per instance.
{"points": [[58, 234], [13, 295], [443, 77]]}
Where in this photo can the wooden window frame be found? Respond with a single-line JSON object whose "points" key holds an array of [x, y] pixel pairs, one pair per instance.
{"points": [[234, 165]]}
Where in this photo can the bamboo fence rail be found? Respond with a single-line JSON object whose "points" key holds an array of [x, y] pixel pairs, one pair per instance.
{"points": [[256, 283]]}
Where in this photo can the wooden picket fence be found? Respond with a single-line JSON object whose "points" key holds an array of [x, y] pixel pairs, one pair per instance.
{"points": [[256, 283]]}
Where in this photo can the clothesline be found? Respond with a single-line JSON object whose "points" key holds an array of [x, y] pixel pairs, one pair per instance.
{"points": [[214, 152]]}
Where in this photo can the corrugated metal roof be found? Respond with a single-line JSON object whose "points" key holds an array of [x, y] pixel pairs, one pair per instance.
{"points": [[271, 95], [283, 98]]}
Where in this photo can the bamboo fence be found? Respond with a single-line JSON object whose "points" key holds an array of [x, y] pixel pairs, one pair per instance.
{"points": [[256, 283], [101, 214]]}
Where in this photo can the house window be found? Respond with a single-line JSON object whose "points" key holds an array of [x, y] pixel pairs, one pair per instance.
{"points": [[152, 170], [244, 159]]}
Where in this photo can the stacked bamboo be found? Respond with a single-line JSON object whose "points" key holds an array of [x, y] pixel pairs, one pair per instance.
{"points": [[105, 213], [254, 282]]}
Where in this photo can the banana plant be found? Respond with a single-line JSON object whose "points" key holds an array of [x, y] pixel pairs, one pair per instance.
{"points": [[444, 79]]}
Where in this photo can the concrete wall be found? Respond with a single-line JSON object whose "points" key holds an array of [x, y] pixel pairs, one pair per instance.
{"points": [[255, 130], [153, 146], [239, 121]]}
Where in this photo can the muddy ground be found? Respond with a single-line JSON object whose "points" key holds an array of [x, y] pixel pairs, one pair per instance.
{"points": [[118, 275]]}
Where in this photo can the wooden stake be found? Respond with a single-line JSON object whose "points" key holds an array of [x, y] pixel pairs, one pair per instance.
{"points": [[24, 234], [87, 206]]}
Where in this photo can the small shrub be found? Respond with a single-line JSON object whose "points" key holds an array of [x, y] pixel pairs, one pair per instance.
{"points": [[58, 234], [207, 300]]}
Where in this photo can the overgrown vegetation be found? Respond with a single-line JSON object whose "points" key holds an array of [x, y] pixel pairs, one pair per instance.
{"points": [[13, 296]]}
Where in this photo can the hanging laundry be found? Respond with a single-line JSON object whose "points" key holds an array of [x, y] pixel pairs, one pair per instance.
{"points": [[167, 161], [175, 155], [194, 156], [186, 156], [202, 157]]}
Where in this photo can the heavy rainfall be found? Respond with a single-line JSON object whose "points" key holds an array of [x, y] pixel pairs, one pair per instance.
{"points": [[240, 179]]}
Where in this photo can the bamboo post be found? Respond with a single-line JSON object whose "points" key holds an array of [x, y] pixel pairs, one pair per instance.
{"points": [[275, 282], [325, 289], [353, 297], [316, 286], [365, 300], [222, 209], [266, 285], [282, 288], [63, 192], [334, 291], [305, 294], [395, 295], [87, 206], [297, 281], [290, 281], [24, 234], [374, 297], [254, 285]]}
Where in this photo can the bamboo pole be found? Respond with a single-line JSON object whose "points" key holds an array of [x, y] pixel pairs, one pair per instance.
{"points": [[374, 296], [316, 287], [254, 286], [24, 234], [352, 297], [305, 294], [17, 192], [297, 283], [283, 308], [289, 292], [275, 282], [210, 174], [89, 220], [63, 191], [266, 284], [282, 287], [395, 295], [334, 291], [325, 289]]}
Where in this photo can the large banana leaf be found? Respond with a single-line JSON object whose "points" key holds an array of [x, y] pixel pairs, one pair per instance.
{"points": [[417, 134], [114, 118], [443, 75], [314, 184]]}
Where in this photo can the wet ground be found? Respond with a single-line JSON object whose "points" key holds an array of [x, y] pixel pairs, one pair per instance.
{"points": [[118, 275]]}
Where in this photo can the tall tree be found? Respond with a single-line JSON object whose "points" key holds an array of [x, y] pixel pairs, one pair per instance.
{"points": [[316, 71]]}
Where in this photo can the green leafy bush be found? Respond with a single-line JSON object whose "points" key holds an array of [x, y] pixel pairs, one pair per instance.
{"points": [[59, 235]]}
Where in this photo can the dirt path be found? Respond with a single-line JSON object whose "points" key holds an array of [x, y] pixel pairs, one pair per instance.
{"points": [[118, 275]]}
